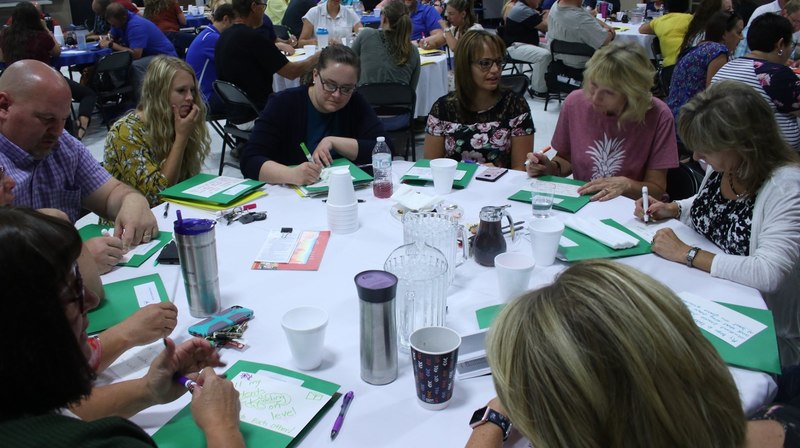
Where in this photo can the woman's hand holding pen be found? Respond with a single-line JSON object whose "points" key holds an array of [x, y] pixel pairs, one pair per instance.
{"points": [[539, 164], [191, 356], [307, 173], [657, 210]]}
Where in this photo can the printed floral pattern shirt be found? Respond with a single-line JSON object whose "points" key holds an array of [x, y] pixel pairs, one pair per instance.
{"points": [[485, 136]]}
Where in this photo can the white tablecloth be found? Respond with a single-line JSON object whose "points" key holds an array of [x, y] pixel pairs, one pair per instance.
{"points": [[432, 83], [386, 416], [632, 34]]}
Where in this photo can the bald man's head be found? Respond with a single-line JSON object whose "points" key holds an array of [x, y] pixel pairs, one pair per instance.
{"points": [[29, 76], [35, 102]]}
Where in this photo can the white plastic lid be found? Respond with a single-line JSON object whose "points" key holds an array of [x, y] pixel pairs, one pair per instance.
{"points": [[381, 139], [641, 5]]}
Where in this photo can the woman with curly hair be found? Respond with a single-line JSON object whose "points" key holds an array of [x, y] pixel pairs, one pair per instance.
{"points": [[169, 18], [481, 121], [165, 140], [28, 38]]}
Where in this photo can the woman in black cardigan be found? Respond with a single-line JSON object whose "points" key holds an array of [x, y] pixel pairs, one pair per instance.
{"points": [[329, 117]]}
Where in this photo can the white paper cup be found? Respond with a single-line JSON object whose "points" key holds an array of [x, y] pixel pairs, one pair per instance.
{"points": [[305, 331], [545, 236], [340, 187], [376, 12], [343, 219], [443, 172], [310, 49], [434, 355], [513, 273]]}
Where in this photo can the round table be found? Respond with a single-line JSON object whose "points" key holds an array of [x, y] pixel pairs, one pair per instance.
{"points": [[387, 416]]}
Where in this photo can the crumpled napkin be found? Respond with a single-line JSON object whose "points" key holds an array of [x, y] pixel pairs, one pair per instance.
{"points": [[407, 197], [602, 232]]}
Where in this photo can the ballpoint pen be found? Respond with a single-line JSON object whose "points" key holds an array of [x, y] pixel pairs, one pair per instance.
{"points": [[337, 425], [166, 210]]}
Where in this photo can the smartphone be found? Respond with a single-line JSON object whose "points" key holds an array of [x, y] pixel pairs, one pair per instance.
{"points": [[221, 320], [491, 174], [169, 254]]}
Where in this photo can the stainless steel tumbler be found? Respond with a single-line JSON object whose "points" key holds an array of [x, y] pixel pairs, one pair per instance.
{"points": [[197, 251], [376, 291]]}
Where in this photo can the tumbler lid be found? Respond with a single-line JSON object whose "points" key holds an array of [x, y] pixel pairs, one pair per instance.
{"points": [[193, 226], [376, 286]]}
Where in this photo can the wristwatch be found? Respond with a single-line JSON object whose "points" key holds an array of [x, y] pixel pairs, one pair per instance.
{"points": [[487, 414], [690, 256]]}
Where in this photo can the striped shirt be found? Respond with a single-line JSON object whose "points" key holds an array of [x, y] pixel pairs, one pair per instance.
{"points": [[776, 83], [62, 180]]}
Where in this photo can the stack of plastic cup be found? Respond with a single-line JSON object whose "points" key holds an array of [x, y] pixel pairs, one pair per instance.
{"points": [[342, 203]]}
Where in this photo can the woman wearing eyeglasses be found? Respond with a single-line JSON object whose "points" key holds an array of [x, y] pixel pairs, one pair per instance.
{"points": [[54, 358], [481, 122], [329, 117], [612, 133]]}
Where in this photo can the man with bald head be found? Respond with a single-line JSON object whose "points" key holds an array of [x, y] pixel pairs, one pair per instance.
{"points": [[51, 169]]}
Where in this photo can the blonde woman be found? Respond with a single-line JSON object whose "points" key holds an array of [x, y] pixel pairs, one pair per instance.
{"points": [[165, 140], [608, 357], [748, 204], [613, 133]]}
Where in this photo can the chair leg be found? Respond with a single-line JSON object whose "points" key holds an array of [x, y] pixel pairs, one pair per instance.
{"points": [[222, 155]]}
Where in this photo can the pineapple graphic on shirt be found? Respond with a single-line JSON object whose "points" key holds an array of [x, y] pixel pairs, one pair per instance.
{"points": [[608, 155]]}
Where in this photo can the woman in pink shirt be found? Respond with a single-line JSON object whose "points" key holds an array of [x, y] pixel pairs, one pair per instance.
{"points": [[613, 133]]}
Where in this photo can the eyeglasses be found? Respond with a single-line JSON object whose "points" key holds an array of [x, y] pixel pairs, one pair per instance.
{"points": [[486, 64], [332, 87], [76, 293]]}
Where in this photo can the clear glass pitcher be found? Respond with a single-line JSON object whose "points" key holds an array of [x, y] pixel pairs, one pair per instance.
{"points": [[489, 240], [421, 299], [441, 231]]}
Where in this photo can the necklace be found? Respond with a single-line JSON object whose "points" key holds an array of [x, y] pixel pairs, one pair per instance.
{"points": [[730, 182]]}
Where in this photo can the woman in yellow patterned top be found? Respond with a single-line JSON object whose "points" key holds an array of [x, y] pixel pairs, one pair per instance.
{"points": [[164, 140]]}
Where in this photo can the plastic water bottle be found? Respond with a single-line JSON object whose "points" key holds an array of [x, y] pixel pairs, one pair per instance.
{"points": [[358, 7], [322, 37], [382, 169]]}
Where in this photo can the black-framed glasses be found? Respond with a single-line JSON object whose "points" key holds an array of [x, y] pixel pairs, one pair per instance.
{"points": [[332, 87], [76, 293], [486, 64]]}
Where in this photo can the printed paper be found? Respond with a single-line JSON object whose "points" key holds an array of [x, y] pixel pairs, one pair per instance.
{"points": [[279, 247], [213, 186]]}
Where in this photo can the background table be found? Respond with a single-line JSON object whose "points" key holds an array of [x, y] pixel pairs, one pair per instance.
{"points": [[632, 34], [386, 416], [197, 20], [73, 56], [432, 83]]}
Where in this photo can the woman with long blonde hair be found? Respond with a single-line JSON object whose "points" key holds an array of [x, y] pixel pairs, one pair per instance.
{"points": [[165, 140]]}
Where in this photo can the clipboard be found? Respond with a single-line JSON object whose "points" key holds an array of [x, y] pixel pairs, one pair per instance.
{"points": [[181, 431]]}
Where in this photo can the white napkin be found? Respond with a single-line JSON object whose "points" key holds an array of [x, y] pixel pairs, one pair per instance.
{"points": [[599, 231], [407, 197]]}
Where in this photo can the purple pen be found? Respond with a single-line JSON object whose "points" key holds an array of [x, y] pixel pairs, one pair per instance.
{"points": [[337, 425], [186, 382]]}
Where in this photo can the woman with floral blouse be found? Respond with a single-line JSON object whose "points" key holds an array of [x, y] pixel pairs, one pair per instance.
{"points": [[165, 140], [480, 122]]}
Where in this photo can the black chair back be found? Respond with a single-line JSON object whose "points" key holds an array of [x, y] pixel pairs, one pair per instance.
{"points": [[281, 32], [392, 99], [683, 182], [516, 83], [113, 84], [238, 106], [560, 78]]}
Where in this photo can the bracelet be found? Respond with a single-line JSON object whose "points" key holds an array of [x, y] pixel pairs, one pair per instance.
{"points": [[558, 167]]}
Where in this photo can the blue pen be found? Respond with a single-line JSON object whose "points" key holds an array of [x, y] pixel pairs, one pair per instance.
{"points": [[337, 425]]}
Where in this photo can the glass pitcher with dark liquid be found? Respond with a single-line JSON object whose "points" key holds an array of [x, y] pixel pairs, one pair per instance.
{"points": [[489, 240]]}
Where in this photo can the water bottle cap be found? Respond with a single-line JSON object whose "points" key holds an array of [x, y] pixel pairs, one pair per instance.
{"points": [[381, 139], [322, 31], [376, 286], [192, 226]]}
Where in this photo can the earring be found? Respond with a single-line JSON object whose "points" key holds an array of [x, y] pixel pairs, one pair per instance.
{"points": [[780, 52]]}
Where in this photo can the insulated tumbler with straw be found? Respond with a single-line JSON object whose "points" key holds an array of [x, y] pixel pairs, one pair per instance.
{"points": [[197, 251]]}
